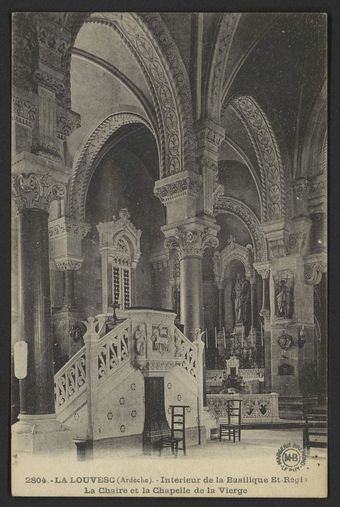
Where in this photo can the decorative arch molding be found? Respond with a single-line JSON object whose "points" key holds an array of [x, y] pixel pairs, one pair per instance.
{"points": [[85, 160], [218, 62], [233, 251], [148, 39], [314, 151], [268, 156], [243, 212]]}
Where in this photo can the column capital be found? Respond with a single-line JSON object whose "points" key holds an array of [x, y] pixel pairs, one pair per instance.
{"points": [[65, 236], [191, 238], [36, 190], [262, 268], [37, 182]]}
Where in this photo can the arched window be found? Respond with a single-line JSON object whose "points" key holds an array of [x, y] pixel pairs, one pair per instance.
{"points": [[119, 246], [121, 273]]}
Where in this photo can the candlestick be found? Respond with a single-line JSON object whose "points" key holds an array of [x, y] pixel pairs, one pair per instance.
{"points": [[215, 337], [224, 339], [206, 338]]}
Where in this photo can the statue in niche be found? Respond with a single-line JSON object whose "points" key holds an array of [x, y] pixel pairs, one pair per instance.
{"points": [[283, 300], [140, 340], [240, 295]]}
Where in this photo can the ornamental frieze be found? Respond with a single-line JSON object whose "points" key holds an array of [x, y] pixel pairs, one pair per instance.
{"points": [[49, 81], [47, 150], [63, 225], [24, 110], [53, 43], [190, 184], [67, 122], [68, 264]]}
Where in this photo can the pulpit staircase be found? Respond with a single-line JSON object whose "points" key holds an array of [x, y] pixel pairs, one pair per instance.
{"points": [[110, 355], [108, 363]]}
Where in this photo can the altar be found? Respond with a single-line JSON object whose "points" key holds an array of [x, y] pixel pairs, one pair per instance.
{"points": [[252, 380], [255, 408], [245, 384]]}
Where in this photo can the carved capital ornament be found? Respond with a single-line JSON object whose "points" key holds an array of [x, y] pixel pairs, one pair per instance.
{"points": [[36, 190], [191, 242]]}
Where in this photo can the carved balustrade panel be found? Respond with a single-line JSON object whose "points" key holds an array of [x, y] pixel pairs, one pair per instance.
{"points": [[70, 381], [113, 350], [187, 354]]}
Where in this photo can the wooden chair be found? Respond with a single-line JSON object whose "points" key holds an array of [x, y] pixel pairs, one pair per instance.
{"points": [[177, 435], [315, 430], [231, 427]]}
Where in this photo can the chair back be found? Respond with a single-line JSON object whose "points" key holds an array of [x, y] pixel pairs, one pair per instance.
{"points": [[234, 412]]}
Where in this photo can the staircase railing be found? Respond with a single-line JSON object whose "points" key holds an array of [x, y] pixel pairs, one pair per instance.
{"points": [[187, 352], [70, 380], [113, 350], [105, 354]]}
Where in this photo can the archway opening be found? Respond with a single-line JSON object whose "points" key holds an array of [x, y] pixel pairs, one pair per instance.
{"points": [[123, 179]]}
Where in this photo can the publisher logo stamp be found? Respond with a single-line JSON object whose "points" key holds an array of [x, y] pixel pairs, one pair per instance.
{"points": [[291, 457]]}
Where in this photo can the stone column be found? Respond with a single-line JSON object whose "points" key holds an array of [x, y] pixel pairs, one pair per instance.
{"points": [[186, 195], [33, 194], [220, 289], [66, 237], [190, 240], [264, 270], [68, 296], [105, 291], [253, 309], [191, 294]]}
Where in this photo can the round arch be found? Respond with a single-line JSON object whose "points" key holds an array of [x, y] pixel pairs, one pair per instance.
{"points": [[243, 212], [268, 155], [150, 42], [84, 163]]}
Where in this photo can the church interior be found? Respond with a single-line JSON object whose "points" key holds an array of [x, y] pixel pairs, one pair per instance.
{"points": [[169, 227]]}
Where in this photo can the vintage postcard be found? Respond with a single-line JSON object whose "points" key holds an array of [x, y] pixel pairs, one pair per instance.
{"points": [[169, 260]]}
